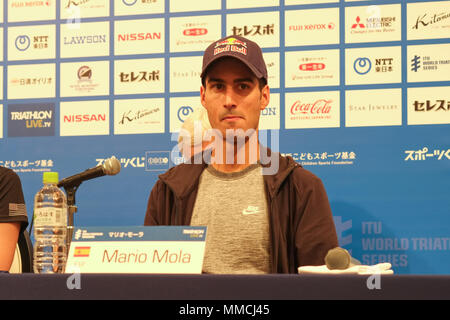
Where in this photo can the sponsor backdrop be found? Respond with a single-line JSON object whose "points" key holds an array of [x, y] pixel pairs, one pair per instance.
{"points": [[360, 96]]}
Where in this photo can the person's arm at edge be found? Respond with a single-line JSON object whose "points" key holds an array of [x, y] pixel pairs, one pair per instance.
{"points": [[152, 206], [316, 232], [9, 234]]}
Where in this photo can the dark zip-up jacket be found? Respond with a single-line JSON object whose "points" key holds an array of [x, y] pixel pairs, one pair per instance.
{"points": [[301, 223]]}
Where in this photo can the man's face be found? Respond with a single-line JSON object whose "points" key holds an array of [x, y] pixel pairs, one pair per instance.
{"points": [[232, 96]]}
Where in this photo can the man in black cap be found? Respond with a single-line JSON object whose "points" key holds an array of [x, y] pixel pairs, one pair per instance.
{"points": [[13, 216], [261, 217]]}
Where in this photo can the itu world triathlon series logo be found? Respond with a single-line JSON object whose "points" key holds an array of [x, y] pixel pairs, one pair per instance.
{"points": [[415, 63]]}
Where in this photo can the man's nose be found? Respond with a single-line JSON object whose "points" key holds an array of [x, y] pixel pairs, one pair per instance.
{"points": [[230, 102]]}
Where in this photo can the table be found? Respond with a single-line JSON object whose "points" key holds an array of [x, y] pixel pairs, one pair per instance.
{"points": [[223, 287]]}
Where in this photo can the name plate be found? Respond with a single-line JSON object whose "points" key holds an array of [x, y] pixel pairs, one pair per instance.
{"points": [[153, 249]]}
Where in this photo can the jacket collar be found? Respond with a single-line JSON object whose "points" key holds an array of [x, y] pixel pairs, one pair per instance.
{"points": [[182, 178]]}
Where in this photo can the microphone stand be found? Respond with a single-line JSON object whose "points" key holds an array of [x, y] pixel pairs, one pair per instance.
{"points": [[72, 208]]}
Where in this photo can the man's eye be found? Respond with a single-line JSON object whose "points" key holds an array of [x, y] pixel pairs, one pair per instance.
{"points": [[243, 86], [218, 86]]}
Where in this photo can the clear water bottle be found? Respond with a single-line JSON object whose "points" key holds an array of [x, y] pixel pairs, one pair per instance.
{"points": [[50, 227]]}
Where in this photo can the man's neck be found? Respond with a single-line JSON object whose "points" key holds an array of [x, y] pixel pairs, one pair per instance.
{"points": [[235, 158]]}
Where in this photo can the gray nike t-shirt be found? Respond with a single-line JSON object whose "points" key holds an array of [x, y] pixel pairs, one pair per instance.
{"points": [[234, 208]]}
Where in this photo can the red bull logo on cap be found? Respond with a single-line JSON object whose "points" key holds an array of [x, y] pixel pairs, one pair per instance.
{"points": [[231, 44], [231, 41]]}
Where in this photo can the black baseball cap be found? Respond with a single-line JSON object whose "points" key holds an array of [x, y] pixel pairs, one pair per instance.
{"points": [[237, 47]]}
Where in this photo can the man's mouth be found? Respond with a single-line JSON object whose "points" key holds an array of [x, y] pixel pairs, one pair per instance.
{"points": [[231, 117]]}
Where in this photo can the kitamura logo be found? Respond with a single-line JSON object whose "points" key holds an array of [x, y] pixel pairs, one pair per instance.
{"points": [[140, 115], [87, 4], [76, 3], [430, 20], [25, 120]]}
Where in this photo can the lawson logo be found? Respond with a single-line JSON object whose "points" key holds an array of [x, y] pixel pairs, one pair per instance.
{"points": [[85, 39]]}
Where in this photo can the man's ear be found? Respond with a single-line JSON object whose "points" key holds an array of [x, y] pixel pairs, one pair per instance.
{"points": [[202, 96], [265, 97]]}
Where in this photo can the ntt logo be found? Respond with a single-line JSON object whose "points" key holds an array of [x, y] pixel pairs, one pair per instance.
{"points": [[157, 160]]}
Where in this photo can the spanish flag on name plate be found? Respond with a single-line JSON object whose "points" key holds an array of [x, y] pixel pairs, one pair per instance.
{"points": [[82, 251]]}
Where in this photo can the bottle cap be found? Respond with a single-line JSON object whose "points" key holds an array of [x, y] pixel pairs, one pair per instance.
{"points": [[50, 177]]}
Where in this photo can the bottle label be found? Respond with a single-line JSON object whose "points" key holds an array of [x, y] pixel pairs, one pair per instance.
{"points": [[50, 217]]}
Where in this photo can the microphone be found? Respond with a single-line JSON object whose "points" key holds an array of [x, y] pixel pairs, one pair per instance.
{"points": [[339, 258], [110, 167]]}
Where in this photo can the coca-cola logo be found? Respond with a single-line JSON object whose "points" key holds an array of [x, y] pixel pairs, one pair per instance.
{"points": [[313, 66], [195, 32], [322, 106]]}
